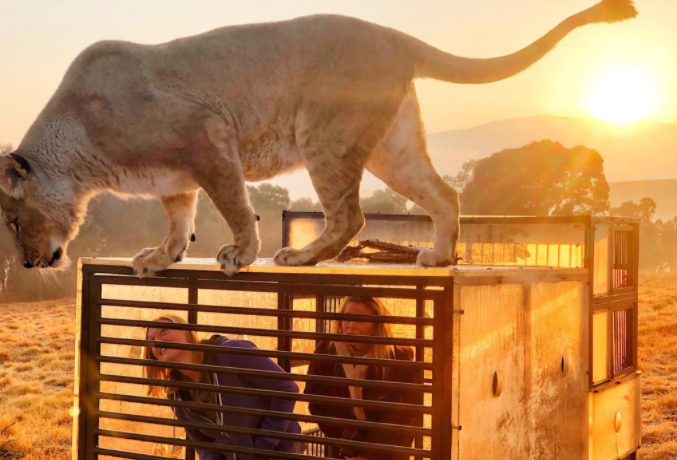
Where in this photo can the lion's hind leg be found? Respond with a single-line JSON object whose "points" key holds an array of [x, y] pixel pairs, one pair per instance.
{"points": [[336, 180], [180, 210], [402, 162]]}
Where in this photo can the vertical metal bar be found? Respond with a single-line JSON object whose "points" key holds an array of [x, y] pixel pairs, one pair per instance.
{"points": [[93, 372], [635, 262], [284, 302], [635, 321], [442, 373], [319, 307], [193, 299], [610, 261], [420, 357], [286, 228], [537, 245], [591, 342], [456, 375], [86, 308], [610, 344]]}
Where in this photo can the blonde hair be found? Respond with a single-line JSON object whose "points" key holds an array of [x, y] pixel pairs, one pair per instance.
{"points": [[376, 307], [163, 373]]}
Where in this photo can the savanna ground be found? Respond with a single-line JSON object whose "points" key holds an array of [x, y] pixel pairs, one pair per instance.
{"points": [[36, 375]]}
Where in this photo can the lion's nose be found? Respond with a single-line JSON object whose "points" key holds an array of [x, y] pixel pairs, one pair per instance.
{"points": [[28, 264]]}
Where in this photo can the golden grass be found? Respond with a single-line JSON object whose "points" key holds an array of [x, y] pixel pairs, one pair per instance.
{"points": [[657, 349], [36, 375], [36, 380]]}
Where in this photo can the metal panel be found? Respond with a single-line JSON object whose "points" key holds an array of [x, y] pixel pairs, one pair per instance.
{"points": [[600, 275], [601, 352], [615, 421], [557, 396], [493, 341], [530, 343]]}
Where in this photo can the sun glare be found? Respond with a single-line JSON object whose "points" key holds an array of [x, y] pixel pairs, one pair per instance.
{"points": [[623, 95]]}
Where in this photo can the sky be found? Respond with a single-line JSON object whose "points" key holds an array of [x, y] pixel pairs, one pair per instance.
{"points": [[40, 38]]}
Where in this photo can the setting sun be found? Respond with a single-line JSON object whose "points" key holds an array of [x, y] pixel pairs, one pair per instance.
{"points": [[623, 95]]}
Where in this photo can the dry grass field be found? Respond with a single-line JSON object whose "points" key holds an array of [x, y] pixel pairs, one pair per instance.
{"points": [[658, 362], [36, 375], [36, 380]]}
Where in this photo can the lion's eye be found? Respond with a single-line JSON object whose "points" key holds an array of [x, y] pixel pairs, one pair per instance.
{"points": [[15, 225]]}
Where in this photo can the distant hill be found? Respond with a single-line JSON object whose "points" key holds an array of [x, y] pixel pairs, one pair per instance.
{"points": [[637, 152], [663, 192]]}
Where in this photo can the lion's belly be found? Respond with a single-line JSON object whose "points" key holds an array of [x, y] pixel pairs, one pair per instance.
{"points": [[154, 181], [268, 159]]}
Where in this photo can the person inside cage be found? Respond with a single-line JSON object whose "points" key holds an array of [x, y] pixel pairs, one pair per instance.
{"points": [[223, 398], [373, 307]]}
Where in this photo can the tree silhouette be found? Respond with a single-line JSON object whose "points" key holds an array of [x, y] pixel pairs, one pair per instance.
{"points": [[305, 204], [269, 201], [541, 178], [645, 209], [384, 201]]}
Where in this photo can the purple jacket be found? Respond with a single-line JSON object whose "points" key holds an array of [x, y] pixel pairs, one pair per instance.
{"points": [[244, 401]]}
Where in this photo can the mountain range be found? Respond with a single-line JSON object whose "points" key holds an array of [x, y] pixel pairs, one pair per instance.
{"points": [[638, 151]]}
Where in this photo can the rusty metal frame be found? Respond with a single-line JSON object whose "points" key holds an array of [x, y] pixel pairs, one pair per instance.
{"points": [[438, 290]]}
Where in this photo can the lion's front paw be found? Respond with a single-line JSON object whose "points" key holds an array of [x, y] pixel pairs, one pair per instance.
{"points": [[152, 260], [292, 257], [232, 258], [432, 258]]}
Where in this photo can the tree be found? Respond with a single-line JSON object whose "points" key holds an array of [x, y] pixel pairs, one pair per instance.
{"points": [[384, 201], [645, 209], [541, 178], [269, 201], [305, 204], [268, 197], [465, 175]]}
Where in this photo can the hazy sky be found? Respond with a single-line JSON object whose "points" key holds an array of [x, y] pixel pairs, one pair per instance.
{"points": [[39, 39]]}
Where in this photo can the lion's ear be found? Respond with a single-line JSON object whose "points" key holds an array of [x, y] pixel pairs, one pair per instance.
{"points": [[14, 170]]}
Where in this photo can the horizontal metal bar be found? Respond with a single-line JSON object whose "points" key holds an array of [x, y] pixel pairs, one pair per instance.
{"points": [[246, 450], [464, 219], [339, 290], [335, 401], [136, 456], [254, 311], [180, 276], [269, 332], [379, 384], [270, 414], [227, 428], [268, 353], [181, 442]]}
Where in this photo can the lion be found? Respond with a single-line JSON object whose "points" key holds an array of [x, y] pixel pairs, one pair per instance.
{"points": [[330, 93]]}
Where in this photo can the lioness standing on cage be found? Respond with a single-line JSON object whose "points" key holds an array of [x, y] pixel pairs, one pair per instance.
{"points": [[329, 93]]}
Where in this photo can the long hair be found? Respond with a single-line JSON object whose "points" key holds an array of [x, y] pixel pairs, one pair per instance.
{"points": [[379, 351], [163, 373]]}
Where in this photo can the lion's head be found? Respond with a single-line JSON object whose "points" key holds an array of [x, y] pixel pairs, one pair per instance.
{"points": [[37, 211]]}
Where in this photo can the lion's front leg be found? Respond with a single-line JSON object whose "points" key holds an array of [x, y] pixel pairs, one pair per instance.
{"points": [[229, 195], [180, 210], [216, 167]]}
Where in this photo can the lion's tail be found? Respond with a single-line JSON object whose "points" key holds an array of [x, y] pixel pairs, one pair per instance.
{"points": [[439, 65]]}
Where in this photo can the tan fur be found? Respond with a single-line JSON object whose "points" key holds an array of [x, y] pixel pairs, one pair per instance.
{"points": [[329, 93]]}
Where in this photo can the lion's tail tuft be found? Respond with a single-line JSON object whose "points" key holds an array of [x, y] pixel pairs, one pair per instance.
{"points": [[608, 11]]}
